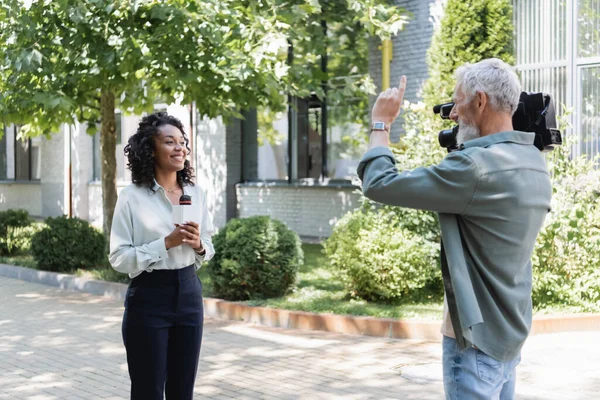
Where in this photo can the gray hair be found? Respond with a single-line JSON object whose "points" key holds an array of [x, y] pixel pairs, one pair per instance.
{"points": [[493, 77]]}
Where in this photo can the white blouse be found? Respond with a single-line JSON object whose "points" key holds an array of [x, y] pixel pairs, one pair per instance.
{"points": [[140, 224]]}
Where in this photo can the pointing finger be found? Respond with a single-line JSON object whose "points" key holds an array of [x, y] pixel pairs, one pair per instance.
{"points": [[402, 85]]}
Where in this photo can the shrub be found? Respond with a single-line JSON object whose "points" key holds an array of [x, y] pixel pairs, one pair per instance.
{"points": [[15, 231], [390, 254], [256, 258], [379, 258], [65, 244], [470, 31], [567, 252]]}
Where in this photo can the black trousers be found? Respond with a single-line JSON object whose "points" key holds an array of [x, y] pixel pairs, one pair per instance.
{"points": [[162, 333]]}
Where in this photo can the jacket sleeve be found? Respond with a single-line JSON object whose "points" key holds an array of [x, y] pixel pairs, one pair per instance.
{"points": [[206, 231], [124, 256], [447, 187]]}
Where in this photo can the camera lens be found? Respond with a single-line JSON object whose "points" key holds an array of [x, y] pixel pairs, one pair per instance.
{"points": [[447, 137]]}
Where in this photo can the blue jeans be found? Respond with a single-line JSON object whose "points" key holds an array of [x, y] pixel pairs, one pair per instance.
{"points": [[472, 374]]}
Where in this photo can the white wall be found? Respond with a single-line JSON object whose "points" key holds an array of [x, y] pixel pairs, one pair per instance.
{"points": [[26, 196], [310, 211], [211, 166]]}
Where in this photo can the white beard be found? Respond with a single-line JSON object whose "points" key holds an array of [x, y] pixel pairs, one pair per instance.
{"points": [[467, 132]]}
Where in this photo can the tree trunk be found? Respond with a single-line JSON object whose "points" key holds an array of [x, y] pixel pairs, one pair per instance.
{"points": [[108, 144]]}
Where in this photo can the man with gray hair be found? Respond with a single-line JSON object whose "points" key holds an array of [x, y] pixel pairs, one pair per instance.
{"points": [[492, 197]]}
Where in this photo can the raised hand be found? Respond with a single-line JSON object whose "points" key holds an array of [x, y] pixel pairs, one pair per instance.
{"points": [[387, 106]]}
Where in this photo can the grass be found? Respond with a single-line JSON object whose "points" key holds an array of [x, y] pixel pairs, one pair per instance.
{"points": [[317, 290], [103, 272], [20, 260]]}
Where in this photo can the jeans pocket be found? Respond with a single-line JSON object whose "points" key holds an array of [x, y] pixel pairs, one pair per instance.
{"points": [[489, 369]]}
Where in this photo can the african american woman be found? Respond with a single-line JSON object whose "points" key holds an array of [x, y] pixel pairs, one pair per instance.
{"points": [[162, 323]]}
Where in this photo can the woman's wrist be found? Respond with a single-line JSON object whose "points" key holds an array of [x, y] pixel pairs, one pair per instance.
{"points": [[200, 250]]}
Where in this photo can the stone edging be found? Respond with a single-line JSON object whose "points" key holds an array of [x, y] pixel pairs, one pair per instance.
{"points": [[273, 317]]}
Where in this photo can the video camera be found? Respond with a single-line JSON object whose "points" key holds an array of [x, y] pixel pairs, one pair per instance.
{"points": [[535, 113]]}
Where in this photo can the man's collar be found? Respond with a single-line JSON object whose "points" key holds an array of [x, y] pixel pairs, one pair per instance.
{"points": [[501, 137]]}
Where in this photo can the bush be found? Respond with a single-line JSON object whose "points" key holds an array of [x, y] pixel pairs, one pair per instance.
{"points": [[256, 258], [391, 254], [65, 244], [470, 31], [567, 252], [379, 256], [15, 231]]}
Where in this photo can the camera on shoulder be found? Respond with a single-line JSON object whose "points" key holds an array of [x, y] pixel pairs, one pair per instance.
{"points": [[535, 113]]}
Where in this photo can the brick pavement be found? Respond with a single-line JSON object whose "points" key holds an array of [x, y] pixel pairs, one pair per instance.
{"points": [[65, 345]]}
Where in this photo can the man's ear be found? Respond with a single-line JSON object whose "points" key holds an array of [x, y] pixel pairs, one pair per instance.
{"points": [[482, 100]]}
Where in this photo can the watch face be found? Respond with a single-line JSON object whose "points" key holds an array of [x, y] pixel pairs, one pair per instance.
{"points": [[378, 125]]}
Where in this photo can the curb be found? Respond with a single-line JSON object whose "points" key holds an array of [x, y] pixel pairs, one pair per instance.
{"points": [[65, 281], [349, 324], [279, 318]]}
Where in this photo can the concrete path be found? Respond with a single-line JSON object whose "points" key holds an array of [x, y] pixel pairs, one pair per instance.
{"points": [[65, 345]]}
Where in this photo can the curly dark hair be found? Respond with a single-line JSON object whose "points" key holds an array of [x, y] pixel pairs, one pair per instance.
{"points": [[140, 148]]}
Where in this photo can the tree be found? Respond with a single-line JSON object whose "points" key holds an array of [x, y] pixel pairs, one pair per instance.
{"points": [[334, 34], [470, 31], [95, 55]]}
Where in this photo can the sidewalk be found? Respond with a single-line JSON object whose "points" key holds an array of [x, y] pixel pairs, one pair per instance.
{"points": [[65, 345]]}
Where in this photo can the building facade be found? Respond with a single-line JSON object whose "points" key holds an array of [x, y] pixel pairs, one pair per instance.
{"points": [[304, 174]]}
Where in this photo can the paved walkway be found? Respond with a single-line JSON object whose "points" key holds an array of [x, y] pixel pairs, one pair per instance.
{"points": [[64, 345]]}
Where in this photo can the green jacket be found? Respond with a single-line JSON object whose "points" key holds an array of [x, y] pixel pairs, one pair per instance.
{"points": [[497, 190]]}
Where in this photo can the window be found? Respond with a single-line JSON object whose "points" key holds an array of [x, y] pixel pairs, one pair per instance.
{"points": [[272, 145], [20, 159], [588, 24], [558, 51], [296, 132], [3, 155], [347, 141], [97, 157], [309, 146], [36, 157], [314, 155], [541, 47], [589, 110]]}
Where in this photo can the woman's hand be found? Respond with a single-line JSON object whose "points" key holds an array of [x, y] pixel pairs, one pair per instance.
{"points": [[175, 238], [192, 233], [185, 233]]}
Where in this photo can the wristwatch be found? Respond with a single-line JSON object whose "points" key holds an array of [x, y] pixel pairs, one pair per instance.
{"points": [[379, 126]]}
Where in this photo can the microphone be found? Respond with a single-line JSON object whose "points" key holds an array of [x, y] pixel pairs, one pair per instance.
{"points": [[185, 200], [181, 214]]}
